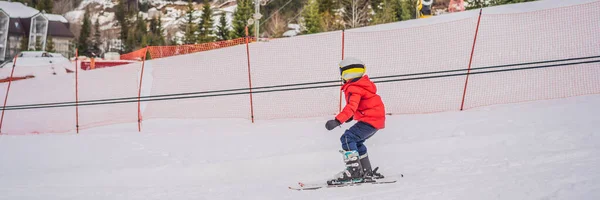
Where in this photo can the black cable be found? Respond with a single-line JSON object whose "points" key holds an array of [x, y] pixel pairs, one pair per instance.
{"points": [[197, 94]]}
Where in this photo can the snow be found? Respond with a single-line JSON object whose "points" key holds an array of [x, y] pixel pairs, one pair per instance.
{"points": [[290, 33], [545, 149], [107, 20], [180, 3], [32, 64], [102, 3], [75, 16], [17, 9], [53, 17], [518, 151]]}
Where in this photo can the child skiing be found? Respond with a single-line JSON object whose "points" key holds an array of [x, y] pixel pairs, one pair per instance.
{"points": [[365, 106]]}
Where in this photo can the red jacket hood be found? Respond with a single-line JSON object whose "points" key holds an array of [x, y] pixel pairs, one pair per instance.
{"points": [[364, 83]]}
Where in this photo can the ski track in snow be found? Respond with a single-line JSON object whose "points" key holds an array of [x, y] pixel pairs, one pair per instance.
{"points": [[535, 150]]}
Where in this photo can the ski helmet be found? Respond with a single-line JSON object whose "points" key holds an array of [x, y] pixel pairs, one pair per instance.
{"points": [[351, 68]]}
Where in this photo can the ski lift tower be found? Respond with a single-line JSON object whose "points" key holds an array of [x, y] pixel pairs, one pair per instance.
{"points": [[256, 17]]}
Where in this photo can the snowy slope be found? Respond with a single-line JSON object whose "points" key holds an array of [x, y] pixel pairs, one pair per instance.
{"points": [[535, 150]]}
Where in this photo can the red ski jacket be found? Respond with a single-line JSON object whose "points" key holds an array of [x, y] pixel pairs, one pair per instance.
{"points": [[363, 103]]}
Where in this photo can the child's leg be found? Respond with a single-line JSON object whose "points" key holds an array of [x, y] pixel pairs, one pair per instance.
{"points": [[355, 136]]}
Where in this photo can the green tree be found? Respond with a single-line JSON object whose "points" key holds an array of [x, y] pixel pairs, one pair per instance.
{"points": [[222, 29], [50, 44], [84, 35], [38, 44], [159, 32], [189, 28], [313, 23], [241, 15], [44, 5], [138, 34], [378, 5], [130, 43], [205, 28], [156, 37], [97, 42], [24, 44], [387, 13], [278, 14], [407, 9], [329, 10], [122, 15]]}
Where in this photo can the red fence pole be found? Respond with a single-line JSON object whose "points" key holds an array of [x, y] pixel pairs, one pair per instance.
{"points": [[7, 89], [76, 90], [342, 83], [140, 92], [470, 61], [249, 76]]}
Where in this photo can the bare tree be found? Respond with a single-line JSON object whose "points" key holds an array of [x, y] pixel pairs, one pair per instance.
{"points": [[356, 13], [276, 26], [62, 6]]}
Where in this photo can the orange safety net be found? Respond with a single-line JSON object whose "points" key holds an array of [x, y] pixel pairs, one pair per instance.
{"points": [[167, 51], [135, 55]]}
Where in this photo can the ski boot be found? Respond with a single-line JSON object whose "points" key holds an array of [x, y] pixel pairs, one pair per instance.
{"points": [[366, 166], [353, 172]]}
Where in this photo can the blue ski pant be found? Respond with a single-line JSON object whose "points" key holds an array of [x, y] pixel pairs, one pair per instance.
{"points": [[355, 137]]}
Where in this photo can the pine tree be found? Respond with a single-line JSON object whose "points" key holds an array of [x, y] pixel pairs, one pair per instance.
{"points": [[277, 15], [378, 5], [24, 44], [313, 23], [84, 34], [49, 6], [38, 44], [44, 6], [97, 40], [153, 37], [144, 41], [130, 43], [159, 33], [328, 10], [141, 27], [222, 29], [408, 9], [121, 16], [50, 44], [387, 13], [205, 28], [241, 15], [189, 29]]}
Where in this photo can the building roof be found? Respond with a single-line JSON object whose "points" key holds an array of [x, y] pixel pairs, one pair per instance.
{"points": [[58, 18], [17, 9], [20, 20], [59, 29]]}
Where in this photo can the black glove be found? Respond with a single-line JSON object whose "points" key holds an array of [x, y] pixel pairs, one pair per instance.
{"points": [[349, 120], [331, 124]]}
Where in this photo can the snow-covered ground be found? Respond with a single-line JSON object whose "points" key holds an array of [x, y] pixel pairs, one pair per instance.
{"points": [[535, 150]]}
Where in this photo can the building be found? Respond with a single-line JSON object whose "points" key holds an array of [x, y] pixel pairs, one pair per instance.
{"points": [[19, 22]]}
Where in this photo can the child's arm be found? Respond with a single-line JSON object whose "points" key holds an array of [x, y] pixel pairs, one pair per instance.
{"points": [[349, 109]]}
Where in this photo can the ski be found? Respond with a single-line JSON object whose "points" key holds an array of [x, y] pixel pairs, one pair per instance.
{"points": [[302, 186]]}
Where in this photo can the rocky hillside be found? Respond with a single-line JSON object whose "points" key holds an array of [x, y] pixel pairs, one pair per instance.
{"points": [[170, 12]]}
